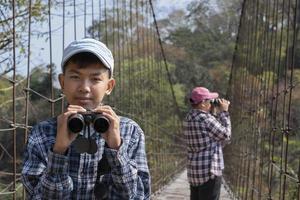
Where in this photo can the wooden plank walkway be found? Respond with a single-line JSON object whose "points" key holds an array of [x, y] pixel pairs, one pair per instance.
{"points": [[179, 190]]}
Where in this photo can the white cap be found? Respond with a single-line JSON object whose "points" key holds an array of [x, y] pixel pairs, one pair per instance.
{"points": [[89, 45]]}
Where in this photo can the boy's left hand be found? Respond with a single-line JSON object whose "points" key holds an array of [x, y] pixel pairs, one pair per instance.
{"points": [[112, 135]]}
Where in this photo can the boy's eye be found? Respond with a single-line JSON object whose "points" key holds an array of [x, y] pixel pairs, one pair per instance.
{"points": [[97, 79], [74, 77]]}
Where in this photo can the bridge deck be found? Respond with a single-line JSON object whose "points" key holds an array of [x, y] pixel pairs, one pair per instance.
{"points": [[179, 190]]}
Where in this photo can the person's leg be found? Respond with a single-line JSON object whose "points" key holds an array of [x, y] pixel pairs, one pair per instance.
{"points": [[194, 192], [210, 190], [217, 188]]}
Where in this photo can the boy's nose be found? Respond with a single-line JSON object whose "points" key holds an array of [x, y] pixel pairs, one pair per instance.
{"points": [[84, 86]]}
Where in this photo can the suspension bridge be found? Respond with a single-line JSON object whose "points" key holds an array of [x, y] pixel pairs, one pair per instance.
{"points": [[262, 161]]}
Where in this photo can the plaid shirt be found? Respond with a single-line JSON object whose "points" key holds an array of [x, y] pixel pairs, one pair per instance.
{"points": [[205, 135], [47, 175]]}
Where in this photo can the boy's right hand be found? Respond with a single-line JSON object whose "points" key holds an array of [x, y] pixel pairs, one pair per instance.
{"points": [[64, 138]]}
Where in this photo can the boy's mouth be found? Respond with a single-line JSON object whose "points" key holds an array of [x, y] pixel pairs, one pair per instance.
{"points": [[83, 100]]}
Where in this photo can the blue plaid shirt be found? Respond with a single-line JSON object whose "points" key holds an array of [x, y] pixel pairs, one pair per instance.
{"points": [[205, 135], [47, 175]]}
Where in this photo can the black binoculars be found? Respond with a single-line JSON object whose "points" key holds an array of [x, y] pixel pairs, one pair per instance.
{"points": [[78, 121], [215, 102]]}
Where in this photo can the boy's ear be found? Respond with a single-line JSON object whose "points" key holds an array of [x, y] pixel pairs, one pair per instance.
{"points": [[110, 86], [61, 79]]}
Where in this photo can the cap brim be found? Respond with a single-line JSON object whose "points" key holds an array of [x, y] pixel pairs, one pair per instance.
{"points": [[82, 51], [212, 95]]}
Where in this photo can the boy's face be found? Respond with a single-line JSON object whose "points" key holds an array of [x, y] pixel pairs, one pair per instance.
{"points": [[86, 86]]}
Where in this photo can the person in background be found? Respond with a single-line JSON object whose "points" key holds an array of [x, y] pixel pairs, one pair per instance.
{"points": [[55, 168], [205, 135]]}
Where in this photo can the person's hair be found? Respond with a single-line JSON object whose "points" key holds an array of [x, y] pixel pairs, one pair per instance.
{"points": [[84, 59], [195, 105]]}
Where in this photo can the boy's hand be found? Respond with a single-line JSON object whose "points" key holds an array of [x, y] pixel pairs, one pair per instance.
{"points": [[64, 138], [112, 135]]}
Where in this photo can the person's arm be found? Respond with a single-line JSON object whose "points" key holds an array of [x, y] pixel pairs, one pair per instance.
{"points": [[44, 173], [129, 169], [219, 130]]}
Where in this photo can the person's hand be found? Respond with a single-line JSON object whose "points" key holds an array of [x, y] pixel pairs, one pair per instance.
{"points": [[64, 138], [112, 135], [224, 104]]}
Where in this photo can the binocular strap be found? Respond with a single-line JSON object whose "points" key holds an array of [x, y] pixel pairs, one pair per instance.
{"points": [[101, 190]]}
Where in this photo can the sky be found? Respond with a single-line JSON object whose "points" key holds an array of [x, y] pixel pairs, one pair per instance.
{"points": [[166, 6]]}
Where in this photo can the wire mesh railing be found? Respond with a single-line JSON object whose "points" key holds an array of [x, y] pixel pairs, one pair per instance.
{"points": [[263, 160], [33, 34]]}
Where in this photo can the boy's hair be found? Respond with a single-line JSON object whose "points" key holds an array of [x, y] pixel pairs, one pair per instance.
{"points": [[84, 59]]}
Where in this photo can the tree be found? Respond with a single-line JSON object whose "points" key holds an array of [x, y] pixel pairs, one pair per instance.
{"points": [[36, 112], [21, 21], [201, 44]]}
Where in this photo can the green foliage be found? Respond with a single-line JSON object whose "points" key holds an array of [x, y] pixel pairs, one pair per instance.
{"points": [[147, 88], [205, 42], [265, 104], [5, 91], [220, 78], [21, 20], [40, 82], [180, 97], [36, 111], [19, 192], [192, 75]]}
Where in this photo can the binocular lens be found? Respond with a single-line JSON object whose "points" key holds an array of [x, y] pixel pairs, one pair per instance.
{"points": [[75, 123], [215, 102], [101, 124]]}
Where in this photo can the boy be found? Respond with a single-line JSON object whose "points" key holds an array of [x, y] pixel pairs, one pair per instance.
{"points": [[54, 168]]}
